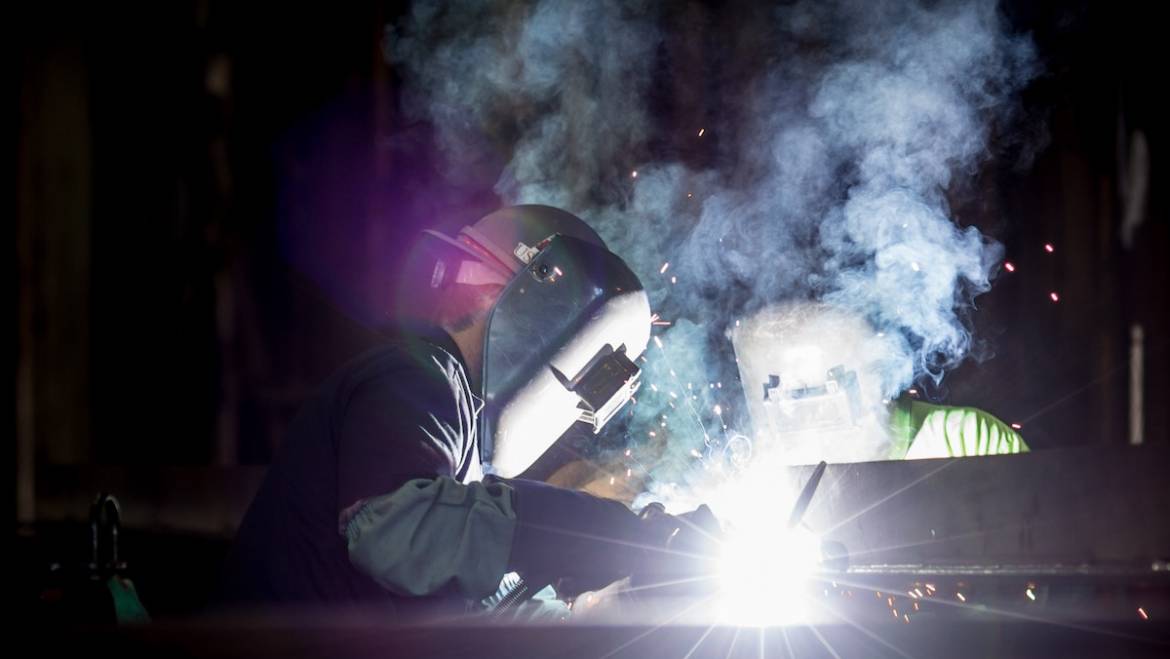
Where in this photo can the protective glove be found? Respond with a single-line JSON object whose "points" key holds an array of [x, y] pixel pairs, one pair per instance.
{"points": [[681, 559], [578, 542]]}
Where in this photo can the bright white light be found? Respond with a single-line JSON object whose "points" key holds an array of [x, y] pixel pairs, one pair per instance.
{"points": [[763, 575]]}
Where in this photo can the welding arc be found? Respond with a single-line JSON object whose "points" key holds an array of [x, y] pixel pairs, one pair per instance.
{"points": [[806, 495]]}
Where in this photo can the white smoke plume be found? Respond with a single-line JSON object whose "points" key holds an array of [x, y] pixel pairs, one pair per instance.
{"points": [[838, 130]]}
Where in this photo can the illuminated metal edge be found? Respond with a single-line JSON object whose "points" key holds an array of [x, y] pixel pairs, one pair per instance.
{"points": [[1100, 508], [1153, 569]]}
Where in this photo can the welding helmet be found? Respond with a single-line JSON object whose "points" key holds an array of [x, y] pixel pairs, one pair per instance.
{"points": [[562, 336], [810, 374]]}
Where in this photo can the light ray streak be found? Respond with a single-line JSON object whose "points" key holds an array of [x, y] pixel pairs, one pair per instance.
{"points": [[699, 642], [889, 496], [864, 630], [984, 608], [824, 641], [653, 629], [734, 640]]}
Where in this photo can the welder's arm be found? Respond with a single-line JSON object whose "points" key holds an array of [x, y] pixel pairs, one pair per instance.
{"points": [[953, 432], [435, 535], [576, 540]]}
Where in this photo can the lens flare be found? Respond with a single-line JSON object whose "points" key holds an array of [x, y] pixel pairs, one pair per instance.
{"points": [[764, 572]]}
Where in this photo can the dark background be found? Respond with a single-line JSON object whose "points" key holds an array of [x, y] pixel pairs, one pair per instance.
{"points": [[210, 199]]}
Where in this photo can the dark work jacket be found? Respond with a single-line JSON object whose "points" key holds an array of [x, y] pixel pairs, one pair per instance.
{"points": [[360, 436]]}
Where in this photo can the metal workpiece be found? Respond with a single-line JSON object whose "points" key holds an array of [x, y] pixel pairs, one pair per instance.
{"points": [[1081, 509]]}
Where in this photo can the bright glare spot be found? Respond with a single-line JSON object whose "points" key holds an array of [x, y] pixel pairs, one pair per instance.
{"points": [[1049, 248], [914, 266], [1054, 297], [611, 480], [763, 573], [1007, 265], [1030, 593], [961, 597], [701, 131], [1143, 614], [627, 453], [634, 174], [695, 452], [718, 410], [913, 392], [1016, 426], [674, 280], [662, 270]]}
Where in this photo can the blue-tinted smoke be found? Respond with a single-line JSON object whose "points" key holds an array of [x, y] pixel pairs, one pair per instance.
{"points": [[836, 151]]}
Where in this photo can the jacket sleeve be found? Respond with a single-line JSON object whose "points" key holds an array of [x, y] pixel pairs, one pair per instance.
{"points": [[438, 535], [954, 432], [433, 536]]}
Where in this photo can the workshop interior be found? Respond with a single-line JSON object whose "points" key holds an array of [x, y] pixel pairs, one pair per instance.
{"points": [[882, 288]]}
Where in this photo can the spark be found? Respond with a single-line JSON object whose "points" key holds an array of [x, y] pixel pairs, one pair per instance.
{"points": [[674, 280], [695, 452], [653, 434], [611, 480], [629, 472], [690, 195], [913, 392], [1143, 614], [916, 607], [1049, 248], [627, 453], [674, 395], [1030, 593], [701, 131], [906, 617], [658, 342], [718, 409], [914, 266], [634, 174], [1054, 296], [1017, 426], [558, 271], [718, 385], [661, 323], [654, 386], [961, 597], [1007, 265], [662, 270]]}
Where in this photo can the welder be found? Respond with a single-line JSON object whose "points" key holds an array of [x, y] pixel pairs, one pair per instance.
{"points": [[397, 482], [817, 379]]}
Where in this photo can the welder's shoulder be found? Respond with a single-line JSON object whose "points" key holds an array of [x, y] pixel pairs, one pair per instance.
{"points": [[953, 431], [414, 372]]}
